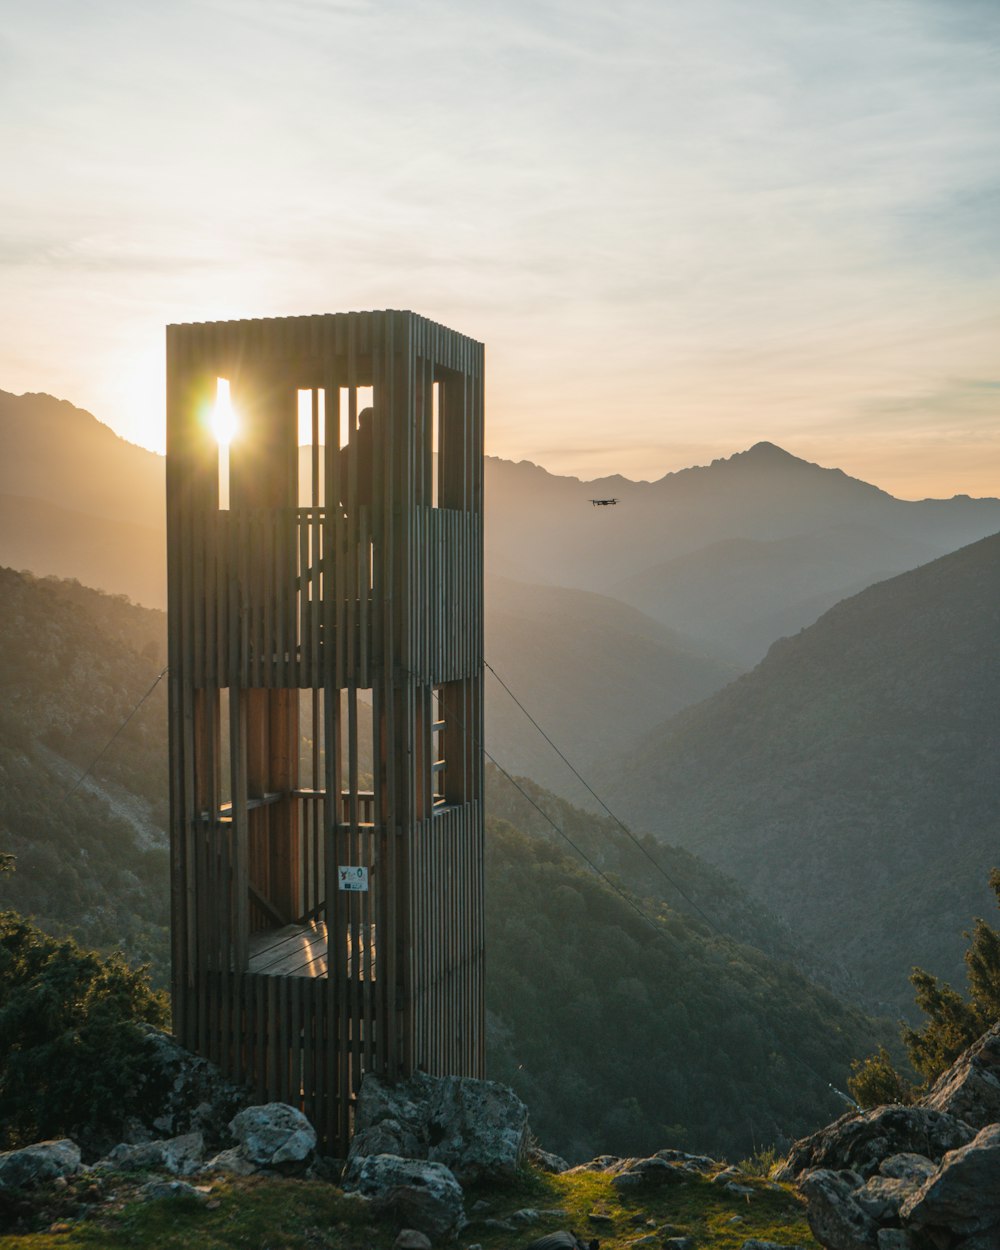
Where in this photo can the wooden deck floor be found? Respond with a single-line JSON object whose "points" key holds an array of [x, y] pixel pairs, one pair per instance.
{"points": [[298, 951]]}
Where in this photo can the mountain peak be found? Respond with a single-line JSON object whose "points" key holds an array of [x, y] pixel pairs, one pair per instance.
{"points": [[769, 451]]}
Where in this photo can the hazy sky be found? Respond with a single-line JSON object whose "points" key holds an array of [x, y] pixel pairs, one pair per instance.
{"points": [[680, 228]]}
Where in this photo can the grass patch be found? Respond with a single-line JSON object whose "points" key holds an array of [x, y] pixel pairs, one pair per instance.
{"points": [[272, 1214]]}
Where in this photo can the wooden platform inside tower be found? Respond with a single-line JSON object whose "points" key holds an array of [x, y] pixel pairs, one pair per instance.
{"points": [[298, 950]]}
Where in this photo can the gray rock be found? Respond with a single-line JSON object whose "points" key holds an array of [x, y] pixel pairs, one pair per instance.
{"points": [[895, 1239], [859, 1141], [970, 1089], [40, 1162], [526, 1215], [180, 1155], [138, 1157], [274, 1135], [183, 1155], [650, 1173], [422, 1194], [908, 1167], [388, 1137], [545, 1160], [836, 1220], [232, 1162], [882, 1196], [475, 1128], [602, 1163], [988, 1239], [739, 1191], [694, 1163], [561, 1240], [963, 1196], [186, 1093], [411, 1239]]}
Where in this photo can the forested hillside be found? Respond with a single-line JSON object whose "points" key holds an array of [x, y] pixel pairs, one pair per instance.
{"points": [[91, 857], [850, 781], [619, 1034], [590, 669], [626, 1036]]}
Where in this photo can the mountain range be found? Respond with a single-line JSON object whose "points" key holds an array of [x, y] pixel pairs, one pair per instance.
{"points": [[850, 781]]}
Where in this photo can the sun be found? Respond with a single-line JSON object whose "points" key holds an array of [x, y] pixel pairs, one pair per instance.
{"points": [[224, 422]]}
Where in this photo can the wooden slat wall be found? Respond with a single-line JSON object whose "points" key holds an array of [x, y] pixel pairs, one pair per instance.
{"points": [[372, 584]]}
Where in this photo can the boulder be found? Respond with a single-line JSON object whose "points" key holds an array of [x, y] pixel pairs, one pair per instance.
{"points": [[836, 1219], [475, 1128], [232, 1162], [693, 1163], [545, 1160], [561, 1240], [650, 1173], [963, 1196], [137, 1157], [421, 1194], [387, 1137], [970, 1089], [180, 1155], [908, 1167], [185, 1093], [882, 1196], [274, 1135], [859, 1141], [895, 1239], [411, 1239], [38, 1163], [183, 1155]]}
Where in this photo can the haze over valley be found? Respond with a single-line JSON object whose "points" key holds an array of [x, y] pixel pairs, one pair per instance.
{"points": [[846, 781]]}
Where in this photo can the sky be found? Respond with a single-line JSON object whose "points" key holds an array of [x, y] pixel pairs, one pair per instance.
{"points": [[680, 228]]}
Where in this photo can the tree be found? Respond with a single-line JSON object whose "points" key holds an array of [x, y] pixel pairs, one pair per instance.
{"points": [[874, 1081], [953, 1022]]}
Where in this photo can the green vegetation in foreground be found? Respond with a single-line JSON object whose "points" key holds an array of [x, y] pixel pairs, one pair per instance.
{"points": [[71, 1056], [260, 1214]]}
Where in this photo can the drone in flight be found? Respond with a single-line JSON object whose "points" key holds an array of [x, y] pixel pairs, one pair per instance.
{"points": [[604, 503]]}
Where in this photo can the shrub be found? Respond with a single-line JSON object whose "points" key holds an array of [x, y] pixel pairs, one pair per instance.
{"points": [[71, 1051]]}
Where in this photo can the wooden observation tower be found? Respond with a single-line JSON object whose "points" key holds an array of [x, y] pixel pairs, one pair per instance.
{"points": [[325, 622]]}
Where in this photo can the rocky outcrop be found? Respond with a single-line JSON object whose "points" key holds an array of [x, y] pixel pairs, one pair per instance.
{"points": [[859, 1141], [181, 1155], [43, 1161], [185, 1093], [421, 1194], [475, 1128], [651, 1173], [911, 1178], [417, 1141], [970, 1089], [963, 1195]]}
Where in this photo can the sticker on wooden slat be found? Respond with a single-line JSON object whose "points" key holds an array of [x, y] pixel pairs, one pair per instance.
{"points": [[352, 879]]}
